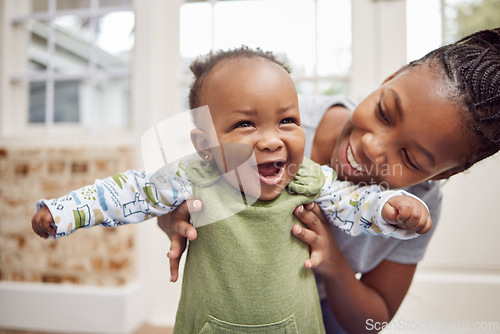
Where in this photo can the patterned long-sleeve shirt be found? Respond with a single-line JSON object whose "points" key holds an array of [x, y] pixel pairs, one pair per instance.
{"points": [[135, 196]]}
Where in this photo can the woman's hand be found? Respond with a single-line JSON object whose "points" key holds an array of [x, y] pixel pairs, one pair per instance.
{"points": [[178, 228], [318, 236], [376, 296]]}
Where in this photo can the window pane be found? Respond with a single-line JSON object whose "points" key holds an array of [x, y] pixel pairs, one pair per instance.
{"points": [[306, 87], [106, 103], [37, 102], [39, 6], [333, 87], [66, 102], [73, 37], [77, 42], [464, 17], [322, 87], [114, 3], [83, 49], [115, 40], [423, 38], [38, 54], [461, 18], [334, 37], [281, 26], [195, 31], [312, 36], [72, 4]]}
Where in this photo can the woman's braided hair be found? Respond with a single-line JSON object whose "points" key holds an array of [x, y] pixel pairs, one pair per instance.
{"points": [[472, 67], [202, 66]]}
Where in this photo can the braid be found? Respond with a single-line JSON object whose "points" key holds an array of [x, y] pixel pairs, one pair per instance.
{"points": [[472, 67], [202, 66]]}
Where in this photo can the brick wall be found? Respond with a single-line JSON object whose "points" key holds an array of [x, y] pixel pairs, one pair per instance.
{"points": [[96, 256]]}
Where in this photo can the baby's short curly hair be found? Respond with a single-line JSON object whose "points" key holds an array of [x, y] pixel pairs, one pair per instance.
{"points": [[202, 66]]}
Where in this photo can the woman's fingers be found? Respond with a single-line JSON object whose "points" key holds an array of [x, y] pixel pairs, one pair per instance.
{"points": [[178, 228], [311, 215], [313, 240], [178, 221], [181, 221], [316, 233], [304, 234], [316, 210], [174, 265], [194, 205], [185, 229]]}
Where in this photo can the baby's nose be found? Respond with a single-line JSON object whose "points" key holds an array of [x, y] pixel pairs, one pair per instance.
{"points": [[270, 141]]}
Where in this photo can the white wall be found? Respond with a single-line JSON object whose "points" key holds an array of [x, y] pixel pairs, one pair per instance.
{"points": [[458, 283], [73, 308], [378, 45], [156, 96]]}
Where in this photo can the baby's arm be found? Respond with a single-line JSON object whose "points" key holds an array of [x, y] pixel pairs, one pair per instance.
{"points": [[358, 210], [130, 197]]}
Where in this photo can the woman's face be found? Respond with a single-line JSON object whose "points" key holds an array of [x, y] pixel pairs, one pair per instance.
{"points": [[405, 132]]}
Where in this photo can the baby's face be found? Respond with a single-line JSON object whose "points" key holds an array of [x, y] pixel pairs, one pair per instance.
{"points": [[405, 132], [254, 102]]}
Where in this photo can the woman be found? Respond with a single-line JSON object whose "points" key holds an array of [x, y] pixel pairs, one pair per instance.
{"points": [[459, 80]]}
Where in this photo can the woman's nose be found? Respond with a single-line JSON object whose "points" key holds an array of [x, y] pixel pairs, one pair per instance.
{"points": [[269, 140], [374, 148]]}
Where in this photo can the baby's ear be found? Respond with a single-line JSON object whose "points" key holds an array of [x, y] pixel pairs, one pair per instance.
{"points": [[200, 141]]}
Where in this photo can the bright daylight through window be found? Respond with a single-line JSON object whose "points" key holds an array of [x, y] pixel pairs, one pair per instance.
{"points": [[314, 36], [76, 68]]}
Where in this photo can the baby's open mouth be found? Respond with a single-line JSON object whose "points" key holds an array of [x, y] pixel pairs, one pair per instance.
{"points": [[272, 172]]}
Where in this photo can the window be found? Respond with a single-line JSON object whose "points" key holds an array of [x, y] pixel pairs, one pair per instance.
{"points": [[446, 21], [73, 63], [464, 17], [312, 36]]}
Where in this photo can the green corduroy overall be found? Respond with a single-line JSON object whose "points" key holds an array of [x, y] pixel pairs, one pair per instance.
{"points": [[245, 273]]}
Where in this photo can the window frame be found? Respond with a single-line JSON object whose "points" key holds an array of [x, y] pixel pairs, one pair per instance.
{"points": [[315, 77], [15, 122]]}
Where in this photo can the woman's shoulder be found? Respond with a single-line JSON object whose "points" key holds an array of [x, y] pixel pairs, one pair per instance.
{"points": [[314, 110], [314, 106]]}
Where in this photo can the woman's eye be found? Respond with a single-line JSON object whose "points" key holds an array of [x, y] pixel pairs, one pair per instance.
{"points": [[382, 113], [408, 160]]}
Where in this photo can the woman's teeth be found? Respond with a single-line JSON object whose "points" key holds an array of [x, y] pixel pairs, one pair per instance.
{"points": [[352, 161]]}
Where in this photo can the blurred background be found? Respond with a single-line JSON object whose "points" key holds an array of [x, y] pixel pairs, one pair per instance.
{"points": [[81, 80]]}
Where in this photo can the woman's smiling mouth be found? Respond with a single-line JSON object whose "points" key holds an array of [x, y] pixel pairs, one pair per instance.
{"points": [[352, 161]]}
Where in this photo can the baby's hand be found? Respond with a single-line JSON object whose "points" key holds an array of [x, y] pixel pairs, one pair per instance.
{"points": [[407, 213], [43, 223]]}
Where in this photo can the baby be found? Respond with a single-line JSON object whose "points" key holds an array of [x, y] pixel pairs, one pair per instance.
{"points": [[245, 269]]}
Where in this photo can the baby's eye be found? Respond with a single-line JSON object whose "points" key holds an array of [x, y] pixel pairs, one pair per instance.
{"points": [[289, 120], [243, 124]]}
